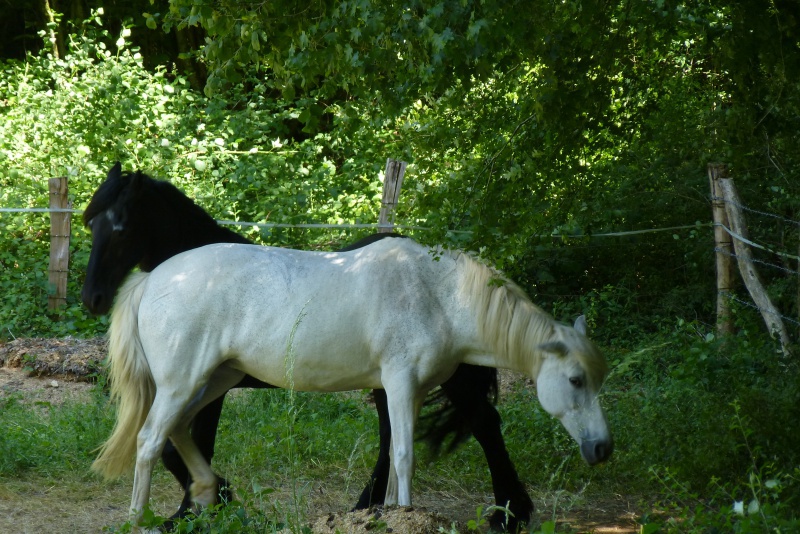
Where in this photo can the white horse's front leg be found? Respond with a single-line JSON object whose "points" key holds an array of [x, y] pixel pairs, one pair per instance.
{"points": [[391, 485], [403, 408]]}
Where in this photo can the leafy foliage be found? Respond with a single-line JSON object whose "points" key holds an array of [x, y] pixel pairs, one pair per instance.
{"points": [[76, 115], [685, 387], [765, 502], [575, 118]]}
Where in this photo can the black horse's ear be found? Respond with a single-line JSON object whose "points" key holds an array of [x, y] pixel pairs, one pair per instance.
{"points": [[136, 181], [115, 172]]}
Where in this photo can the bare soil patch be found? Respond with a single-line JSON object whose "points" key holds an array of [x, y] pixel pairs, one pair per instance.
{"points": [[402, 519], [69, 358], [51, 371]]}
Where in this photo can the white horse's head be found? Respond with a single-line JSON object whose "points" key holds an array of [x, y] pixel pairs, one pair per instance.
{"points": [[568, 386]]}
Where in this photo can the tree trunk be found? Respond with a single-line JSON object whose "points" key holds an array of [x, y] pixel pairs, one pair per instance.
{"points": [[53, 29], [189, 42], [747, 269]]}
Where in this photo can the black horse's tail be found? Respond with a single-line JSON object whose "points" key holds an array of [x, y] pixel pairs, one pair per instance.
{"points": [[455, 406]]}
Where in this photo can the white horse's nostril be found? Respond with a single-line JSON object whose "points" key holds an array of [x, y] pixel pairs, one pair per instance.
{"points": [[597, 451]]}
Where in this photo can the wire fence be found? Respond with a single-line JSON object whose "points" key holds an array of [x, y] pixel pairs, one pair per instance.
{"points": [[234, 223], [766, 249], [752, 305], [379, 225]]}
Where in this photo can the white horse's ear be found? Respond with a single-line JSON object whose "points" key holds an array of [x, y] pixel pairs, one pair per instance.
{"points": [[558, 348], [581, 325]]}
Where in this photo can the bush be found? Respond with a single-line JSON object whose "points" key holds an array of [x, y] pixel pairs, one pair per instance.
{"points": [[238, 157]]}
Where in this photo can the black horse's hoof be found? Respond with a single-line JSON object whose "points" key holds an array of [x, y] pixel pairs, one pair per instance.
{"points": [[186, 509], [513, 522]]}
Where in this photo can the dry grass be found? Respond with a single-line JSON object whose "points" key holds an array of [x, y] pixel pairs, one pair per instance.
{"points": [[87, 505], [41, 504]]}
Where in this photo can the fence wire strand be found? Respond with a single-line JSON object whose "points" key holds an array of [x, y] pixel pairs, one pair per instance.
{"points": [[752, 210], [753, 260], [732, 297], [749, 241]]}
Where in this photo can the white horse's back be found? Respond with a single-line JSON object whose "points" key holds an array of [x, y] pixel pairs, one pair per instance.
{"points": [[307, 320]]}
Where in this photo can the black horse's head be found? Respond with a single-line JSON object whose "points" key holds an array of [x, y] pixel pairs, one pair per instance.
{"points": [[119, 238], [136, 220]]}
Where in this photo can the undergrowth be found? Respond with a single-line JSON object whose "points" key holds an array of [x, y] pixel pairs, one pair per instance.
{"points": [[766, 500]]}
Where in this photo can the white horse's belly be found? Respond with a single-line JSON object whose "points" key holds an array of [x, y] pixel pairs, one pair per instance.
{"points": [[302, 375]]}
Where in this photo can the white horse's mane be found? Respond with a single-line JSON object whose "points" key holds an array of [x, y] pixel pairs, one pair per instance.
{"points": [[513, 325]]}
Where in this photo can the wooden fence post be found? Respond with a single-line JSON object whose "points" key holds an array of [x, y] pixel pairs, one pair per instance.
{"points": [[746, 268], [392, 182], [724, 248], [60, 227]]}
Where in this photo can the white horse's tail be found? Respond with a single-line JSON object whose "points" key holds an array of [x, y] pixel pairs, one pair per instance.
{"points": [[132, 385]]}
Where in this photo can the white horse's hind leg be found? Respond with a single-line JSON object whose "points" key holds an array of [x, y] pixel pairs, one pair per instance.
{"points": [[204, 485], [141, 486], [163, 417]]}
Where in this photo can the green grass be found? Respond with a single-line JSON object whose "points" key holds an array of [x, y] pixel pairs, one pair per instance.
{"points": [[52, 439], [699, 427]]}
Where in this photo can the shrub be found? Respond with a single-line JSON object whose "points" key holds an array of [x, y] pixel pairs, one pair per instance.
{"points": [[75, 116]]}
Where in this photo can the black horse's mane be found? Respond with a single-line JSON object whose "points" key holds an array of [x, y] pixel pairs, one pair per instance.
{"points": [[117, 186], [160, 214], [177, 201]]}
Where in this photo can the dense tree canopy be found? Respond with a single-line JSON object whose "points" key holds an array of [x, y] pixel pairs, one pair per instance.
{"points": [[574, 85], [526, 119]]}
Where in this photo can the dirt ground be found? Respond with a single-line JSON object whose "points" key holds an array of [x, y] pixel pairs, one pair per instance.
{"points": [[53, 370]]}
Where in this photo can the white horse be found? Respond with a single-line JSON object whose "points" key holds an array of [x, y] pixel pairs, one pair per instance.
{"points": [[314, 321]]}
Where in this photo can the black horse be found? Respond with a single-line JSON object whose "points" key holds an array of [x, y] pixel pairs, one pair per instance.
{"points": [[136, 220]]}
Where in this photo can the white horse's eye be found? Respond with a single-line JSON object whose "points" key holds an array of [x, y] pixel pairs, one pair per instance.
{"points": [[576, 381]]}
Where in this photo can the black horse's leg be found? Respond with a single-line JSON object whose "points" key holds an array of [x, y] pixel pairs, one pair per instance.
{"points": [[484, 422], [375, 492]]}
